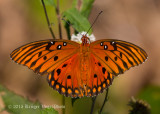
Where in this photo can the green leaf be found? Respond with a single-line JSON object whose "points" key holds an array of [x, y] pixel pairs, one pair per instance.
{"points": [[19, 105], [49, 111], [77, 20], [151, 94], [82, 106], [86, 7], [50, 2]]}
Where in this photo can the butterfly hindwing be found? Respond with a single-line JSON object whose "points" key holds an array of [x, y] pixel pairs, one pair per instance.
{"points": [[44, 56], [66, 78], [100, 78], [117, 56]]}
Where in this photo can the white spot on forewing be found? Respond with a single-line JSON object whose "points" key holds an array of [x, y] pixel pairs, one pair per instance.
{"points": [[64, 43], [59, 46], [51, 42], [105, 47], [101, 43]]}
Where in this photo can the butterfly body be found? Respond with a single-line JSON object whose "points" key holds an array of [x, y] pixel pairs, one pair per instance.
{"points": [[77, 70], [84, 60]]}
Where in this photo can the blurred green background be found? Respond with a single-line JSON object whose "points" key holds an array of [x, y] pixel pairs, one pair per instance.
{"points": [[136, 21]]}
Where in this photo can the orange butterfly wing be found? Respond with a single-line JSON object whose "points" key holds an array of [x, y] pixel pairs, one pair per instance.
{"points": [[117, 56], [44, 56], [109, 58], [99, 79], [66, 77], [68, 80], [62, 61]]}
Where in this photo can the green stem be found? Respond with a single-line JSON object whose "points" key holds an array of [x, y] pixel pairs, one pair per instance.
{"points": [[105, 100], [59, 19], [93, 102], [48, 22]]}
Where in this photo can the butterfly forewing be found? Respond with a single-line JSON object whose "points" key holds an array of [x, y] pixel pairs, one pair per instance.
{"points": [[117, 56], [45, 56]]}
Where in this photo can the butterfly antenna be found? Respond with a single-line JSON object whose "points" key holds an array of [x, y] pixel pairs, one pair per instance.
{"points": [[66, 21], [93, 22]]}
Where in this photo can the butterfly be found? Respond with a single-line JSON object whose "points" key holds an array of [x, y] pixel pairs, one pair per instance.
{"points": [[78, 70]]}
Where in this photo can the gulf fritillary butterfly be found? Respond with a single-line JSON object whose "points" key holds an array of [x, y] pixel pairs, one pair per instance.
{"points": [[77, 70]]}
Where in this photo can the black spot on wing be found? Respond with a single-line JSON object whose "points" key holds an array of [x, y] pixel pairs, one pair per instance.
{"points": [[69, 77], [99, 64], [33, 63], [115, 58], [55, 58], [45, 57], [103, 70], [39, 54], [95, 75], [64, 65], [125, 65], [58, 71], [106, 58]]}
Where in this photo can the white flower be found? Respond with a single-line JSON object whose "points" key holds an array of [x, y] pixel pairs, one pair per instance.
{"points": [[77, 37]]}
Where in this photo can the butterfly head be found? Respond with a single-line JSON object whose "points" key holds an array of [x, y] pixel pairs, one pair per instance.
{"points": [[85, 40]]}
